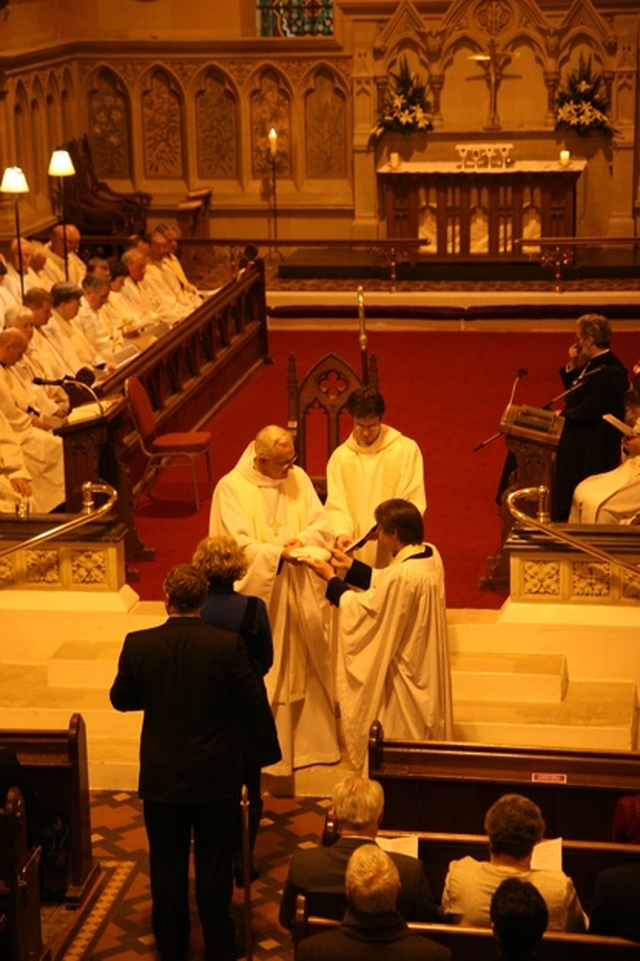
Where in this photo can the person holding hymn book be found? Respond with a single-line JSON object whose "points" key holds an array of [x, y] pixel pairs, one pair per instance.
{"points": [[514, 825], [319, 873]]}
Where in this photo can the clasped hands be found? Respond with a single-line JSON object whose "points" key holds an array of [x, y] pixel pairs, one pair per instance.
{"points": [[327, 569]]}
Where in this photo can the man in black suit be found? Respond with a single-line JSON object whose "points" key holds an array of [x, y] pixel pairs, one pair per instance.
{"points": [[597, 381], [319, 873], [616, 903], [372, 928], [198, 693]]}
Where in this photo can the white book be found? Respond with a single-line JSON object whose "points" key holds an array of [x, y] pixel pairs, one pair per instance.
{"points": [[402, 845], [547, 855], [622, 427]]}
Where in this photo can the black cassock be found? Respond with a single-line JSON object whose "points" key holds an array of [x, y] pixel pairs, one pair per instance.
{"points": [[588, 445]]}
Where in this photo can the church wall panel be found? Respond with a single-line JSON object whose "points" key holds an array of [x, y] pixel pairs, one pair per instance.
{"points": [[178, 113]]}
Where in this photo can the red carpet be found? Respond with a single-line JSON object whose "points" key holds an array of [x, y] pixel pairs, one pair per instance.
{"points": [[446, 390]]}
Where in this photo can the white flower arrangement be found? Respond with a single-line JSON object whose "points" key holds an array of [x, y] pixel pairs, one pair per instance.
{"points": [[582, 105], [406, 108]]}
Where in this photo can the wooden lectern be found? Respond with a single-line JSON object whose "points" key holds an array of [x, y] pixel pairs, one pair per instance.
{"points": [[532, 435]]}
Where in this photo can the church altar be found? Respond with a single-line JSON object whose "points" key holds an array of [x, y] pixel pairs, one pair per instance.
{"points": [[480, 210]]}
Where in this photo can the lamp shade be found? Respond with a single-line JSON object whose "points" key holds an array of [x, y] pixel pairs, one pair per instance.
{"points": [[14, 181], [61, 164]]}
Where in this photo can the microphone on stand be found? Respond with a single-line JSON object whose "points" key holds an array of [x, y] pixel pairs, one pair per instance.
{"points": [[51, 382], [522, 372], [66, 380]]}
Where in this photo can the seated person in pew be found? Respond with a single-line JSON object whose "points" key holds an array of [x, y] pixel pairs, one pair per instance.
{"points": [[612, 497], [165, 281], [64, 336], [6, 297], [626, 820], [48, 401], [519, 917], [64, 238], [615, 909], [90, 321], [372, 927], [138, 297], [15, 481], [514, 825], [319, 872], [41, 449], [393, 652]]}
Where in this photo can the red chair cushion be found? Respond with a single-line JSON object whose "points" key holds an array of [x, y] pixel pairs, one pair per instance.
{"points": [[192, 442]]}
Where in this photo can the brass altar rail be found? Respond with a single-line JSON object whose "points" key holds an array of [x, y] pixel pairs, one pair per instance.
{"points": [[89, 512], [542, 523], [559, 252]]}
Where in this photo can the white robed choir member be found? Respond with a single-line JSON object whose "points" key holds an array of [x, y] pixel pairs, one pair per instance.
{"points": [[612, 497], [375, 463], [393, 653], [41, 450], [270, 507]]}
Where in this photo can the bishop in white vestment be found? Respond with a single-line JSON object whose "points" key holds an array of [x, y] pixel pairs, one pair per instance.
{"points": [[393, 652], [270, 508]]}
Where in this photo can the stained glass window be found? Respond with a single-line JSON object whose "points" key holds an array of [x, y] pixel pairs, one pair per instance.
{"points": [[295, 18]]}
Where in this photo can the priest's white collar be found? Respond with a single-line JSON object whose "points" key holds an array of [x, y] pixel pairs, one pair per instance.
{"points": [[410, 550]]}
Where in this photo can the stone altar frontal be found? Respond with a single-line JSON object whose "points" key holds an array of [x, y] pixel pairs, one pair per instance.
{"points": [[479, 211]]}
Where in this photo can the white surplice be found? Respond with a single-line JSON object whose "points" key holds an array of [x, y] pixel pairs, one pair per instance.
{"points": [[41, 450], [12, 466], [262, 515], [609, 498], [360, 477], [393, 654]]}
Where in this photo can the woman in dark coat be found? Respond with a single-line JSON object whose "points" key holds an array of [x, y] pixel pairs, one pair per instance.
{"points": [[223, 562]]}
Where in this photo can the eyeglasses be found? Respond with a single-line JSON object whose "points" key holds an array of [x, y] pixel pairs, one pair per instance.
{"points": [[283, 463]]}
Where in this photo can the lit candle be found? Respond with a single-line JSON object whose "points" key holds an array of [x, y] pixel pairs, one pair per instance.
{"points": [[273, 142], [394, 160], [565, 158]]}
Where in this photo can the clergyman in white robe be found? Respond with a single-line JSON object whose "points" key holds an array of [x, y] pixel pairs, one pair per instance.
{"points": [[374, 464], [263, 515], [393, 651]]}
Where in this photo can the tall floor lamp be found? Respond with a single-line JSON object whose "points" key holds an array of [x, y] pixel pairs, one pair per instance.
{"points": [[14, 182], [61, 166], [273, 153]]}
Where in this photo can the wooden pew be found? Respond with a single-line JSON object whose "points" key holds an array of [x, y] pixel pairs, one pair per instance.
{"points": [[20, 929], [478, 944], [55, 762], [448, 786], [581, 860]]}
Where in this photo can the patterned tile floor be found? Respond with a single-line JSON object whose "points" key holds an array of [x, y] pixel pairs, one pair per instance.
{"points": [[118, 925]]}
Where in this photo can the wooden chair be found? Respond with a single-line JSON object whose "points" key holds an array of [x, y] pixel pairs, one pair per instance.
{"points": [[92, 205], [163, 448], [325, 387]]}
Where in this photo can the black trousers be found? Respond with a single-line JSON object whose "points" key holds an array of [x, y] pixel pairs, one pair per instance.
{"points": [[169, 829]]}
